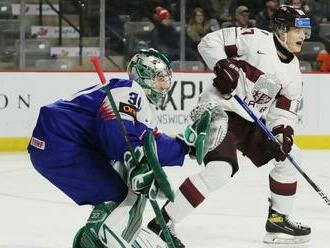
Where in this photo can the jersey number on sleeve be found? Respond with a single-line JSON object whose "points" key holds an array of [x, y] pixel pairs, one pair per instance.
{"points": [[134, 99]]}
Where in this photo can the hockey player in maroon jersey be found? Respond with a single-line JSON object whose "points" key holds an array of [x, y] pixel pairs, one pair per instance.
{"points": [[243, 59]]}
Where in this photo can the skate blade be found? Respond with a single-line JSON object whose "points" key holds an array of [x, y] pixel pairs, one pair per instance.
{"points": [[282, 238]]}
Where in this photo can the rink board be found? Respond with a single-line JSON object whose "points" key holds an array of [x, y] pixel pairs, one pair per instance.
{"points": [[23, 93]]}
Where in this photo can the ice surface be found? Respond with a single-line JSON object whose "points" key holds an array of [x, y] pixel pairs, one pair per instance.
{"points": [[35, 214]]}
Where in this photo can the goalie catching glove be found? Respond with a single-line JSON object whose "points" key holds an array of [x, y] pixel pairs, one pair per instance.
{"points": [[209, 128], [140, 176]]}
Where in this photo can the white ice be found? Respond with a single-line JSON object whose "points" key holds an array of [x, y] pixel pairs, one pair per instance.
{"points": [[35, 214]]}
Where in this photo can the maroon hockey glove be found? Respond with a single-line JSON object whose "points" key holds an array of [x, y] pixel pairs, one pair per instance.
{"points": [[285, 136], [227, 74]]}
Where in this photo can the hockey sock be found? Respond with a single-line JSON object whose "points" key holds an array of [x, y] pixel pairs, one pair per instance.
{"points": [[283, 185], [196, 188]]}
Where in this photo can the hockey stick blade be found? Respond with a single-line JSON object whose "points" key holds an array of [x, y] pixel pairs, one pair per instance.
{"points": [[289, 157], [150, 151]]}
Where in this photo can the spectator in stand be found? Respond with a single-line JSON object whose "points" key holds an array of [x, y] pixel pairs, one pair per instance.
{"points": [[254, 6], [197, 27], [296, 3], [148, 7], [206, 5], [320, 9], [323, 61], [307, 6], [323, 58], [242, 18], [221, 11], [165, 38], [264, 17]]}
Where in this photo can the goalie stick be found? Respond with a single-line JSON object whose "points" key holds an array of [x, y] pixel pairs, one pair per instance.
{"points": [[159, 174], [289, 157]]}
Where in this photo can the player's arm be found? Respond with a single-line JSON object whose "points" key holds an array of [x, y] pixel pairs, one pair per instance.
{"points": [[282, 116], [224, 43], [130, 102], [134, 109], [171, 151], [206, 132], [220, 50]]}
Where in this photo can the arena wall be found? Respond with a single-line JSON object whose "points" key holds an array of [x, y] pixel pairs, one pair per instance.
{"points": [[23, 93]]}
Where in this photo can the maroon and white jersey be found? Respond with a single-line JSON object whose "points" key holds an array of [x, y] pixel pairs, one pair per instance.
{"points": [[257, 54]]}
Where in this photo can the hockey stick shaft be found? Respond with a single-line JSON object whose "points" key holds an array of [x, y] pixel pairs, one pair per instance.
{"points": [[123, 131], [270, 136]]}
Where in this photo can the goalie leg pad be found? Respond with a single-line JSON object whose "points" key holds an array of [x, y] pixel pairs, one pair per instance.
{"points": [[114, 225]]}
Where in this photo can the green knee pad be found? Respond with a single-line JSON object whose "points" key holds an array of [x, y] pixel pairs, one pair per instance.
{"points": [[87, 237]]}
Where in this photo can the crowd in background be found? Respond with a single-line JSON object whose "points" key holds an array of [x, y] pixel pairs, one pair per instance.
{"points": [[201, 17], [204, 16]]}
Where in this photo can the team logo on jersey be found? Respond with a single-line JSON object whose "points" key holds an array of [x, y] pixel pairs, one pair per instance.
{"points": [[127, 109], [261, 97], [265, 88], [106, 110], [37, 143]]}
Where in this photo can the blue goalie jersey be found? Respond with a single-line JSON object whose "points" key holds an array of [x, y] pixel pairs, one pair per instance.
{"points": [[82, 133]]}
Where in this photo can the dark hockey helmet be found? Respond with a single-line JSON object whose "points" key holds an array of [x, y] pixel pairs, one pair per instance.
{"points": [[287, 16]]}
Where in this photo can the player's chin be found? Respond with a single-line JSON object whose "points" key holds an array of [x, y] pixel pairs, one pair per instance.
{"points": [[296, 48]]}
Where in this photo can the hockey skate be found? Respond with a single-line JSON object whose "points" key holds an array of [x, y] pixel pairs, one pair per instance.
{"points": [[281, 230], [154, 226]]}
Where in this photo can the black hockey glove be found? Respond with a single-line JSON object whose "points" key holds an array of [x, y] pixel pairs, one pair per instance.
{"points": [[285, 136], [227, 75]]}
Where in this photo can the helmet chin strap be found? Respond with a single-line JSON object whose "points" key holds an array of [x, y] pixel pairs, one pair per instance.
{"points": [[284, 43], [283, 52]]}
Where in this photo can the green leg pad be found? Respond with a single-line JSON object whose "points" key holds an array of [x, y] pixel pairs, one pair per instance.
{"points": [[87, 237]]}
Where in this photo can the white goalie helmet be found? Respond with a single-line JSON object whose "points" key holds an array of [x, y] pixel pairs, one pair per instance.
{"points": [[151, 69]]}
